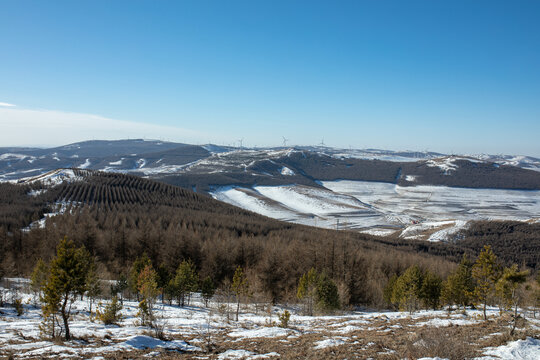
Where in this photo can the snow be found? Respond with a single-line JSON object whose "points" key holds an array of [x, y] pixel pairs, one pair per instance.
{"points": [[448, 233], [119, 162], [21, 335], [416, 229], [166, 169], [437, 322], [147, 342], [373, 154], [445, 163], [141, 163], [37, 192], [328, 343], [53, 178], [286, 171], [528, 349], [85, 165], [57, 209], [378, 231], [432, 213], [296, 203], [249, 200], [434, 207], [267, 332], [11, 156], [310, 200], [244, 354]]}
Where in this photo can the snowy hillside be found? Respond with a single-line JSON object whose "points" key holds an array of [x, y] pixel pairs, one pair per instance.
{"points": [[416, 195], [201, 332], [431, 213]]}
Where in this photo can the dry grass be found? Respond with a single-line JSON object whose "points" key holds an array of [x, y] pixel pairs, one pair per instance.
{"points": [[381, 339]]}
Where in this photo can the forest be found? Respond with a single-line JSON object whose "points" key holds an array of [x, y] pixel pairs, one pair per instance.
{"points": [[118, 217]]}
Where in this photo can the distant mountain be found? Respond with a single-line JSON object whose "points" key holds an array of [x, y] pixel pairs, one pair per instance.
{"points": [[204, 168]]}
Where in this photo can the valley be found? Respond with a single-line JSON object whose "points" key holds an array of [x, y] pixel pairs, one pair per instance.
{"points": [[431, 213], [411, 195]]}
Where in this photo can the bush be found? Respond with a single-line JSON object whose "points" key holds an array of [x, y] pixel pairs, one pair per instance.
{"points": [[111, 314], [284, 319], [18, 306], [327, 294], [450, 343]]}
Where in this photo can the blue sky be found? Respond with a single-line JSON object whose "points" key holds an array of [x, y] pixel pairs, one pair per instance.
{"points": [[447, 76]]}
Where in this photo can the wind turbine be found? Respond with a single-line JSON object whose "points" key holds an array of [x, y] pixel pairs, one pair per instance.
{"points": [[285, 141], [322, 143], [241, 141]]}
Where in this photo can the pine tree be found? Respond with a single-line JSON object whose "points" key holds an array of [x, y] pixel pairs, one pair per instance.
{"points": [[148, 289], [138, 265], [459, 285], [407, 289], [93, 285], [327, 294], [67, 279], [389, 289], [430, 293], [507, 289], [119, 287], [486, 273], [111, 315], [307, 290], [163, 280], [185, 282], [38, 279], [207, 290], [240, 287]]}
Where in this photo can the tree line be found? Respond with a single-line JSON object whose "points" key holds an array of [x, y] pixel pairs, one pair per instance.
{"points": [[472, 284], [71, 273]]}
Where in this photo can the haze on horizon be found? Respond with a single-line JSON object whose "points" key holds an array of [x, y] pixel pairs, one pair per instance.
{"points": [[450, 77]]}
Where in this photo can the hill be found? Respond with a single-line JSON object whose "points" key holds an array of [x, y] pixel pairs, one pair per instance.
{"points": [[119, 217]]}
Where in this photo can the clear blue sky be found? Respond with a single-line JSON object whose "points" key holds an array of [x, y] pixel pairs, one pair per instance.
{"points": [[448, 76]]}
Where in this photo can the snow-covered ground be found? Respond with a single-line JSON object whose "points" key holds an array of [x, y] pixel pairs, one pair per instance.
{"points": [[195, 329], [53, 178], [434, 213]]}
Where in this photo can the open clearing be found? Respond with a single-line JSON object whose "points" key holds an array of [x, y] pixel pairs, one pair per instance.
{"points": [[197, 332]]}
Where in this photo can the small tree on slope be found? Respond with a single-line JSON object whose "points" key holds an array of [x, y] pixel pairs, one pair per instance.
{"points": [[407, 289], [38, 279], [67, 279], [207, 290], [185, 282], [307, 290], [486, 273], [459, 286], [240, 287], [507, 289], [148, 289]]}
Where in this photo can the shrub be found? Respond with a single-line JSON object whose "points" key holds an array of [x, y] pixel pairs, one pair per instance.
{"points": [[284, 319], [111, 314], [18, 306], [327, 294]]}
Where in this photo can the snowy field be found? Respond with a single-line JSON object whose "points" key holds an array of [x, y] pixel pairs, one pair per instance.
{"points": [[433, 213], [197, 332]]}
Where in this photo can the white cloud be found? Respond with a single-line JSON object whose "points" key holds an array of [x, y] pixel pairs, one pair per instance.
{"points": [[25, 127], [6, 104]]}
